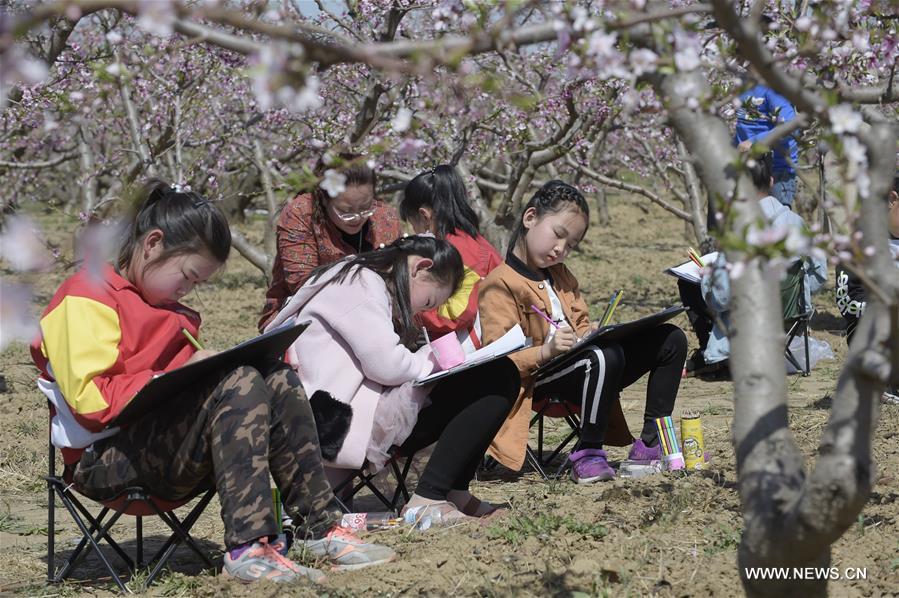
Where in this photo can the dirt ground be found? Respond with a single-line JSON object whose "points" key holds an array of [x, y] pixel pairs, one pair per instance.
{"points": [[671, 534]]}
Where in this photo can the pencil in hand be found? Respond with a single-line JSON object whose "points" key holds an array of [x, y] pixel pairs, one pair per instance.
{"points": [[192, 340], [543, 315]]}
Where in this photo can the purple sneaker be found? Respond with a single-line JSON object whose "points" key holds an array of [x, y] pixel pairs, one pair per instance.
{"points": [[590, 465], [642, 454]]}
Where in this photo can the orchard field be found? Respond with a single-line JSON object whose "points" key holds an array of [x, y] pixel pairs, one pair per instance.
{"points": [[635, 102], [667, 535]]}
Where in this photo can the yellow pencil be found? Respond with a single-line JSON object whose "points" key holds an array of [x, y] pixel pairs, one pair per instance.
{"points": [[694, 255], [612, 308], [192, 340]]}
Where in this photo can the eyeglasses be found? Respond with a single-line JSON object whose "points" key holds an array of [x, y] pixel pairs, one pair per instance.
{"points": [[353, 217]]}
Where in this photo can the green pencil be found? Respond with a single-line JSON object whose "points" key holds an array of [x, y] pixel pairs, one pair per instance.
{"points": [[192, 340]]}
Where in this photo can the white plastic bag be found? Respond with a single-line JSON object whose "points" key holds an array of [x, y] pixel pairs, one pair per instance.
{"points": [[818, 350]]}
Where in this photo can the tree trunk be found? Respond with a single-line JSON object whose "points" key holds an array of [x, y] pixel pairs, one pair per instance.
{"points": [[698, 219], [791, 520], [602, 207]]}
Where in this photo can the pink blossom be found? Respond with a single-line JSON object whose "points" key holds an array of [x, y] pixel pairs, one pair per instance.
{"points": [[402, 120], [334, 183], [17, 68], [21, 245], [803, 23], [156, 16], [844, 119], [410, 148], [16, 319], [643, 60], [768, 235]]}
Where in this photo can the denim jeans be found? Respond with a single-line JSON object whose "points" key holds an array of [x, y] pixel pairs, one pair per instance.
{"points": [[784, 188]]}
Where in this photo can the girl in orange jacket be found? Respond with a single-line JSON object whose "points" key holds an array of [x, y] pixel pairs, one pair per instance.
{"points": [[554, 221]]}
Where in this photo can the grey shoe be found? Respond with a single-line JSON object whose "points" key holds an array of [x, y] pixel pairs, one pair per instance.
{"points": [[262, 561], [346, 551]]}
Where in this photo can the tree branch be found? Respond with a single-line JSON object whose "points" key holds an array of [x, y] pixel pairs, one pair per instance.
{"points": [[750, 43], [39, 164], [618, 184], [251, 253]]}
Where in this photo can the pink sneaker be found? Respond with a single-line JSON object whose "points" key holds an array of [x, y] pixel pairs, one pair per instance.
{"points": [[346, 551]]}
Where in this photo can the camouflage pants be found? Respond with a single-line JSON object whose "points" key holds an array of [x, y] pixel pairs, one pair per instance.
{"points": [[246, 425]]}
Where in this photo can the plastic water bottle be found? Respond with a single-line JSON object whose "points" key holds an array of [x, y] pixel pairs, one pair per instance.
{"points": [[422, 519], [630, 469], [370, 521]]}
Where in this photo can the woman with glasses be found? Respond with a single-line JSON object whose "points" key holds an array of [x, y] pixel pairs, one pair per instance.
{"points": [[340, 217]]}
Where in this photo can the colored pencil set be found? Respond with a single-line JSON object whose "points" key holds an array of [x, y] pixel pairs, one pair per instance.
{"points": [[695, 258], [671, 451], [614, 300]]}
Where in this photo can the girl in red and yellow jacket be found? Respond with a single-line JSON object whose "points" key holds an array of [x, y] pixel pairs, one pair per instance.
{"points": [[435, 201], [107, 333]]}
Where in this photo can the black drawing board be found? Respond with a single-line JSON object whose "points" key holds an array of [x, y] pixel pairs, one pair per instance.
{"points": [[254, 352], [612, 332]]}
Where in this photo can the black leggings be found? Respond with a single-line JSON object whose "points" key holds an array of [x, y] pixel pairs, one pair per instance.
{"points": [[701, 318], [466, 412], [596, 377]]}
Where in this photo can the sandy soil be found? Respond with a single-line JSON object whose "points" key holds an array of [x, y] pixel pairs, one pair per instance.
{"points": [[672, 534]]}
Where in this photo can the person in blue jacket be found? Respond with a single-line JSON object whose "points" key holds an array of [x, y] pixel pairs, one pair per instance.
{"points": [[761, 110], [709, 301]]}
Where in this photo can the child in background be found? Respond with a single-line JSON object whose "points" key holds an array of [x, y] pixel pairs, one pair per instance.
{"points": [[435, 201], [709, 301], [359, 348], [103, 338], [554, 221], [852, 296]]}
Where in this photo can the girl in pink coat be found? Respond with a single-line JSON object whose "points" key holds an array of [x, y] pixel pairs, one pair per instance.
{"points": [[361, 348]]}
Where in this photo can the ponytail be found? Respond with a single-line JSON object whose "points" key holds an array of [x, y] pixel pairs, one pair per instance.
{"points": [[442, 190], [189, 224]]}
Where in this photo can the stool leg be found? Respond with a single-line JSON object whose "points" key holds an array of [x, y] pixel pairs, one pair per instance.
{"points": [[51, 532], [139, 532]]}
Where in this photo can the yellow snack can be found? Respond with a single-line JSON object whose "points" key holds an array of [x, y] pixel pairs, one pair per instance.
{"points": [[691, 439]]}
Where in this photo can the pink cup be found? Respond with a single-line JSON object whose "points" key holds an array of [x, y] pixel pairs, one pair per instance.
{"points": [[448, 351], [674, 461]]}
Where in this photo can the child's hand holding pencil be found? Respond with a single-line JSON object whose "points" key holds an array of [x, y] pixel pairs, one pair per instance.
{"points": [[201, 352]]}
